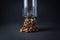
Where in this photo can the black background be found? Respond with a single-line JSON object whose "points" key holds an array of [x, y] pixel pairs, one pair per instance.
{"points": [[11, 20]]}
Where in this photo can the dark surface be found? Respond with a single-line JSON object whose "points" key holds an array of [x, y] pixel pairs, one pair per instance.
{"points": [[11, 32], [11, 20]]}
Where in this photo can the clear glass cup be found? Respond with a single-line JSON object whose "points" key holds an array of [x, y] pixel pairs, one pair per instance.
{"points": [[30, 11]]}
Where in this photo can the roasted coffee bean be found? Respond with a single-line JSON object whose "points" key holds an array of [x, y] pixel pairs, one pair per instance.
{"points": [[21, 30]]}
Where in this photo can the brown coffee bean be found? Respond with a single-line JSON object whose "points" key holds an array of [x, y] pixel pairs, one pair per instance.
{"points": [[30, 29], [37, 30], [26, 30], [21, 30], [26, 20], [33, 29]]}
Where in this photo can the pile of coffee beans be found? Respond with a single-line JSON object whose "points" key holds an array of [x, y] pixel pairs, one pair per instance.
{"points": [[30, 25]]}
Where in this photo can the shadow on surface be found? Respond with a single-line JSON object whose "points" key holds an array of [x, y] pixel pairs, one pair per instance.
{"points": [[47, 29]]}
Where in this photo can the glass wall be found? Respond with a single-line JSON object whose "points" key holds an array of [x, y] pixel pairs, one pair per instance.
{"points": [[30, 8]]}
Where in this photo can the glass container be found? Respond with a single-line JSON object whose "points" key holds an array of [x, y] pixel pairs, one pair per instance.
{"points": [[30, 8]]}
